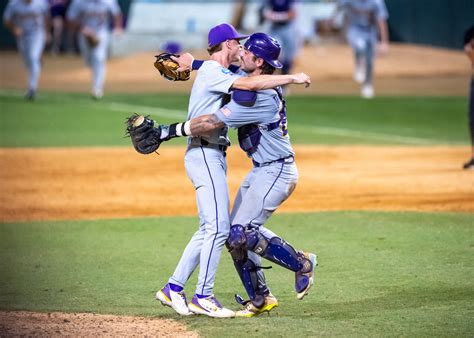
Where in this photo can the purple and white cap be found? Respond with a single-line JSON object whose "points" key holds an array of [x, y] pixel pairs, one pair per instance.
{"points": [[223, 32]]}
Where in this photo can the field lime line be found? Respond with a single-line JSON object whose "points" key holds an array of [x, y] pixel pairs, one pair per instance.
{"points": [[162, 112], [181, 114]]}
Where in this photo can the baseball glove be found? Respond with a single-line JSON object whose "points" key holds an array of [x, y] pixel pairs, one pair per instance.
{"points": [[91, 37], [144, 134], [169, 68]]}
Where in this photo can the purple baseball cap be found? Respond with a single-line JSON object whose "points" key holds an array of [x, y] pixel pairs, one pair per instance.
{"points": [[221, 33]]}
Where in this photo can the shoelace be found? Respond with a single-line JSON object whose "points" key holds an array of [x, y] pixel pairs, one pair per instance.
{"points": [[183, 296], [214, 301]]}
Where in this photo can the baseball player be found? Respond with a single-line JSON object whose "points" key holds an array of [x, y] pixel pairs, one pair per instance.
{"points": [[28, 20], [282, 15], [365, 19], [261, 121], [91, 17], [469, 49], [206, 168]]}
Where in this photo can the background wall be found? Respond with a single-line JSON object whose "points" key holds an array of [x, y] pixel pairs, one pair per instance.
{"points": [[439, 23]]}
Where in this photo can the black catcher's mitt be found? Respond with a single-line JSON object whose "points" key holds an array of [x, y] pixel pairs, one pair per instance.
{"points": [[169, 68], [144, 134]]}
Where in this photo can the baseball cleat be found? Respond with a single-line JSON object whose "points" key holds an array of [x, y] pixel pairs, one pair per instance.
{"points": [[209, 306], [469, 165], [250, 310], [175, 300], [367, 91], [304, 279], [359, 74]]}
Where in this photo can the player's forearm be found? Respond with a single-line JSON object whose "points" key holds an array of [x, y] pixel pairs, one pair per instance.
{"points": [[200, 125], [383, 31], [261, 82], [118, 22], [205, 124]]}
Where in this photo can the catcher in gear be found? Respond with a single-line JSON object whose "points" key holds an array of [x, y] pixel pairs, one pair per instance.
{"points": [[168, 68]]}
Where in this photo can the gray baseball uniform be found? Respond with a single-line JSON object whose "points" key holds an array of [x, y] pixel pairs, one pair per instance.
{"points": [[95, 15], [362, 17], [206, 168], [274, 175], [30, 18]]}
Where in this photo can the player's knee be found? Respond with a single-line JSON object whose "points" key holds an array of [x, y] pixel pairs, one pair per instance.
{"points": [[256, 242], [237, 238]]}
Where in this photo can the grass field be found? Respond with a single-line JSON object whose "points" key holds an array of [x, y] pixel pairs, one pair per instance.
{"points": [[380, 274], [76, 120]]}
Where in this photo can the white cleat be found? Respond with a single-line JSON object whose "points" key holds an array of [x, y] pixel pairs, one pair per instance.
{"points": [[209, 306], [175, 300], [367, 91], [359, 73], [313, 258]]}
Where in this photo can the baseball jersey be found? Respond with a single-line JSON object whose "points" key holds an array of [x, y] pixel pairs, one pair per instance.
{"points": [[28, 16], [212, 81], [274, 144], [94, 14], [364, 14], [280, 5]]}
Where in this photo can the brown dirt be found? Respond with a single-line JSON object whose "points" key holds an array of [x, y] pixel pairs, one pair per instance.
{"points": [[30, 324], [68, 184], [63, 184], [407, 70]]}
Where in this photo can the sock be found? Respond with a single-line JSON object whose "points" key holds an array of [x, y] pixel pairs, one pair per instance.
{"points": [[202, 296], [175, 288]]}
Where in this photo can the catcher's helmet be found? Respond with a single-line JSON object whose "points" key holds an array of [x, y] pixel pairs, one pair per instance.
{"points": [[265, 47]]}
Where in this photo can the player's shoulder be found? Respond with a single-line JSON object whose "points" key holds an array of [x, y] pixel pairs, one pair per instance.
{"points": [[214, 66]]}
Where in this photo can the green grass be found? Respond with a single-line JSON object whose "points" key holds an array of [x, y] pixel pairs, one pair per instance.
{"points": [[380, 274], [58, 119]]}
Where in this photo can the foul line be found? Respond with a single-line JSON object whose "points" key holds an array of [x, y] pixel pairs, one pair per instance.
{"points": [[366, 135], [180, 114], [170, 113], [145, 110]]}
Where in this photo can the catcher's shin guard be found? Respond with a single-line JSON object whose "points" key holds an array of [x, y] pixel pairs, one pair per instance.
{"points": [[247, 270], [275, 250]]}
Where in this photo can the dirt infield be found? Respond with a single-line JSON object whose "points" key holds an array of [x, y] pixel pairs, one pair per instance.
{"points": [[68, 184], [30, 324]]}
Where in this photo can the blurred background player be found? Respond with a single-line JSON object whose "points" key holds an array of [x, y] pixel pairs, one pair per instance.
{"points": [[92, 19], [28, 20], [366, 24], [469, 49], [58, 20], [281, 16]]}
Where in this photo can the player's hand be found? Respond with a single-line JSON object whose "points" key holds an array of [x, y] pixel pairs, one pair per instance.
{"points": [[185, 61], [118, 31], [17, 31], [382, 49], [302, 78]]}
